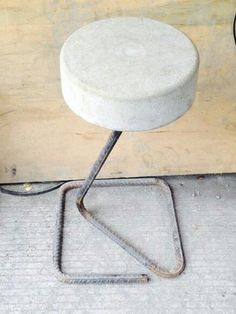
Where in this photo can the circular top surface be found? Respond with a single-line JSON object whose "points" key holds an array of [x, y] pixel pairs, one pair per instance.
{"points": [[129, 58]]}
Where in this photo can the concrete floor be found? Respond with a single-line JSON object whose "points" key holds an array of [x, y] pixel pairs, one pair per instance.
{"points": [[206, 209]]}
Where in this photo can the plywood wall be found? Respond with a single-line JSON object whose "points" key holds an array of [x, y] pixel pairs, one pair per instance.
{"points": [[41, 139]]}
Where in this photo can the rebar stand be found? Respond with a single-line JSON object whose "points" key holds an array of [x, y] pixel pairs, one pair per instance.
{"points": [[83, 189]]}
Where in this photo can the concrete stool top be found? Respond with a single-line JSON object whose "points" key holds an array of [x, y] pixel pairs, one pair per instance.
{"points": [[129, 73]]}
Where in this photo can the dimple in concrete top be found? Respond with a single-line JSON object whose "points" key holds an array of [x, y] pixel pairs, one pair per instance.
{"points": [[124, 61]]}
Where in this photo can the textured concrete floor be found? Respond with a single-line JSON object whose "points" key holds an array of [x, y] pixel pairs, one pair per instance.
{"points": [[206, 209]]}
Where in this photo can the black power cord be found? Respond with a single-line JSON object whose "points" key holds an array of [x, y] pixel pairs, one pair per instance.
{"points": [[234, 29], [16, 193]]}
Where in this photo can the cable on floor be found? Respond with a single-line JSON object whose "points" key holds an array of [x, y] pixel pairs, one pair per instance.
{"points": [[16, 193]]}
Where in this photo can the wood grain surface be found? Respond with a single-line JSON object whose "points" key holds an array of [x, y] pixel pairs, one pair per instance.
{"points": [[41, 139]]}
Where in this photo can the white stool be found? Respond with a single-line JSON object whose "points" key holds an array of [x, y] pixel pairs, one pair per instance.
{"points": [[125, 74]]}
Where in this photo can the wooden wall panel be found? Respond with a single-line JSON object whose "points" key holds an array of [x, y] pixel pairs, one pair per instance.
{"points": [[41, 139]]}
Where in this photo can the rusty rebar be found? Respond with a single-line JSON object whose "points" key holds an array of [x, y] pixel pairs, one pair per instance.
{"points": [[83, 189]]}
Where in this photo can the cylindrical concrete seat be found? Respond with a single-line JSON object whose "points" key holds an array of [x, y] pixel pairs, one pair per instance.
{"points": [[129, 73]]}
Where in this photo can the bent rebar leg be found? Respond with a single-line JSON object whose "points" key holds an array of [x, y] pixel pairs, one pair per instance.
{"points": [[112, 278]]}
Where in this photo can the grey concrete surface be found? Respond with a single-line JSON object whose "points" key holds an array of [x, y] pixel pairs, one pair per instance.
{"points": [[206, 210], [129, 73]]}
